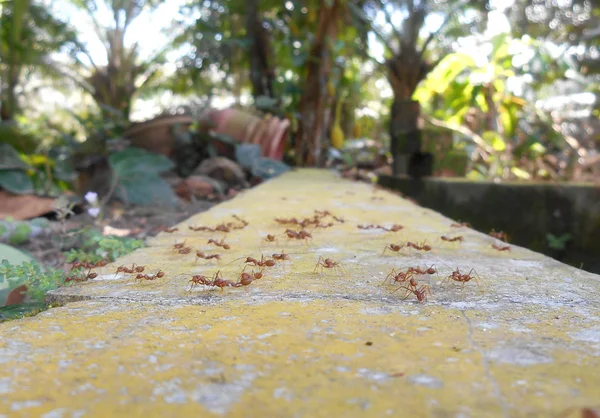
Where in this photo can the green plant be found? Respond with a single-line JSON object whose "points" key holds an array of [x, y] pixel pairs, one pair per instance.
{"points": [[38, 279], [558, 243], [95, 247], [137, 177]]}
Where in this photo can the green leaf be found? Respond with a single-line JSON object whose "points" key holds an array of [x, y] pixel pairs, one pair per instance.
{"points": [[139, 182], [16, 181], [20, 310], [495, 140], [9, 158], [521, 174], [135, 160], [20, 234]]}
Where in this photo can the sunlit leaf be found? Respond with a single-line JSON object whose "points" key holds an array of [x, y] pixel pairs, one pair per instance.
{"points": [[521, 174], [495, 140]]}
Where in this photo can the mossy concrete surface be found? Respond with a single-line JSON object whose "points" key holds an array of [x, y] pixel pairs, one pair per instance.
{"points": [[523, 342]]}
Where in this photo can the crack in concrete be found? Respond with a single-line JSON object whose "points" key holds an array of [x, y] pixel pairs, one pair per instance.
{"points": [[486, 366]]}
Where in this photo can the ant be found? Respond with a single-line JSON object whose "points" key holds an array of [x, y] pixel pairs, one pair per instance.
{"points": [[179, 245], [220, 282], [281, 256], [328, 225], [262, 263], [420, 293], [247, 278], [155, 276], [199, 279], [501, 235], [458, 277], [453, 239], [200, 254], [219, 243], [75, 278], [460, 225], [123, 269], [338, 219], [393, 247], [222, 228], [398, 276], [185, 250], [201, 228], [243, 222], [419, 247], [418, 270], [370, 226], [169, 230], [501, 248], [327, 263], [270, 238], [393, 228], [84, 264], [284, 221]]}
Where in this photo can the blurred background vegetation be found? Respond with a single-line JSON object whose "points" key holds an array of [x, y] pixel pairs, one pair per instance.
{"points": [[508, 89]]}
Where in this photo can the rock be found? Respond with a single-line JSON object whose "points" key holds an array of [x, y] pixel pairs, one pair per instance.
{"points": [[223, 169]]}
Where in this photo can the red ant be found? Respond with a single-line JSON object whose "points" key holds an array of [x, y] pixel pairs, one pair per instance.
{"points": [[179, 245], [460, 225], [243, 222], [284, 221], [501, 248], [393, 247], [328, 225], [327, 263], [499, 235], [220, 282], [393, 228], [219, 243], [155, 276], [200, 254], [457, 276], [420, 247], [201, 228], [185, 250], [270, 238], [281, 256], [248, 278], [453, 239], [199, 279], [75, 279], [418, 270], [398, 276], [420, 293], [123, 269], [262, 263]]}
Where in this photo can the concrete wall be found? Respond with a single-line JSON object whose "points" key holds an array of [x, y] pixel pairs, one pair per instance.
{"points": [[527, 212]]}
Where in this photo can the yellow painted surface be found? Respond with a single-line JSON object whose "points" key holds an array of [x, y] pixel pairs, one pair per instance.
{"points": [[524, 342]]}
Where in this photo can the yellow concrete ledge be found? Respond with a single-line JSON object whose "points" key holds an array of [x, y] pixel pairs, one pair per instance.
{"points": [[524, 342]]}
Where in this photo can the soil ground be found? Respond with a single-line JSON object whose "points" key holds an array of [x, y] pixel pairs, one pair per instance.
{"points": [[138, 222]]}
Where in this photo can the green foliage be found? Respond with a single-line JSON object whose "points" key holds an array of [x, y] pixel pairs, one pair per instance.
{"points": [[20, 234], [37, 279], [558, 243], [93, 247], [138, 177], [25, 174]]}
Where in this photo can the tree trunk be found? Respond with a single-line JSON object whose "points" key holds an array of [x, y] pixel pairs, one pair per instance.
{"points": [[261, 70], [316, 97], [405, 71]]}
